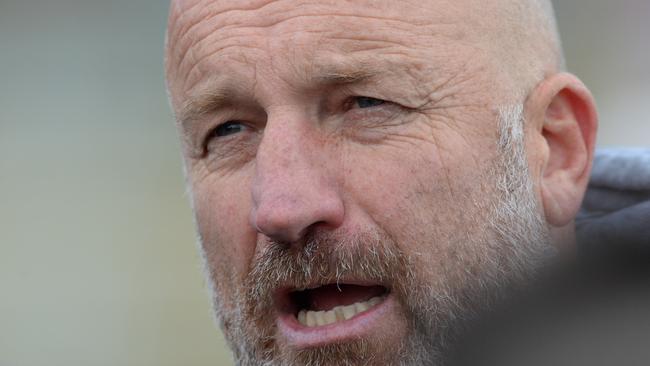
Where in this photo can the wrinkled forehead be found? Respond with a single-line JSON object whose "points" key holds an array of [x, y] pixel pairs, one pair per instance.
{"points": [[205, 33], [216, 14]]}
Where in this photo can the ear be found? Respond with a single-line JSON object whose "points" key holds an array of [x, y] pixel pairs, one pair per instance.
{"points": [[566, 121]]}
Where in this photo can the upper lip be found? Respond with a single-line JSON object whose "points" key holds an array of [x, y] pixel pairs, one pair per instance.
{"points": [[286, 289], [282, 295], [343, 280]]}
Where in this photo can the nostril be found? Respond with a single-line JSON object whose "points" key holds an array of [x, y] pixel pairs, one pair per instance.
{"points": [[276, 223], [289, 220]]}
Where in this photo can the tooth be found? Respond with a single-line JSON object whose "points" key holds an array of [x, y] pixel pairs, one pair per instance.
{"points": [[361, 306], [338, 311], [349, 311], [302, 317], [311, 319], [320, 319], [337, 314], [330, 317], [374, 301]]}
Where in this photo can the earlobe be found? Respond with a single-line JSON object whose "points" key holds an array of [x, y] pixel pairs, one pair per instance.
{"points": [[568, 128]]}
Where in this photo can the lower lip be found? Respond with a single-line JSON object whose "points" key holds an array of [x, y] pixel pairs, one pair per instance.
{"points": [[360, 325]]}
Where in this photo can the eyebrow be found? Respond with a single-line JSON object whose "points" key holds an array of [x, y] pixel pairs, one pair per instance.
{"points": [[345, 75], [208, 99], [213, 95]]}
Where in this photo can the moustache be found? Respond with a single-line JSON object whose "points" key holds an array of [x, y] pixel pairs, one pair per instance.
{"points": [[327, 258]]}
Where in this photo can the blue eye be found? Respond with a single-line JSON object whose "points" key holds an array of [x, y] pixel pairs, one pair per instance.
{"points": [[367, 102], [228, 128]]}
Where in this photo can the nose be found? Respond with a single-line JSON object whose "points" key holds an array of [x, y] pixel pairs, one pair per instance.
{"points": [[293, 188]]}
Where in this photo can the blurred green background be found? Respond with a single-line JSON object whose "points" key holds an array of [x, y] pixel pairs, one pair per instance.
{"points": [[97, 252]]}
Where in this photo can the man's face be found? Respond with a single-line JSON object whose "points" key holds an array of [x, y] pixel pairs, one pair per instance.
{"points": [[351, 194]]}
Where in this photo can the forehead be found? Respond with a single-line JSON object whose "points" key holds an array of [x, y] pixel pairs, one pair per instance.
{"points": [[296, 37]]}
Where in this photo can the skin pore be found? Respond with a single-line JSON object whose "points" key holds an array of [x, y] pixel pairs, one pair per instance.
{"points": [[375, 144]]}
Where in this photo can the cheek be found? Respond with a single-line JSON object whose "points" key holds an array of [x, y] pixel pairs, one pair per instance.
{"points": [[222, 211], [397, 182], [393, 186], [430, 197]]}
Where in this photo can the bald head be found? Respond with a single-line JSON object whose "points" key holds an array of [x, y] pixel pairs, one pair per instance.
{"points": [[521, 35], [525, 37]]}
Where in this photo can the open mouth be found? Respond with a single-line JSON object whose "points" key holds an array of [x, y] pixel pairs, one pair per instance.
{"points": [[333, 303]]}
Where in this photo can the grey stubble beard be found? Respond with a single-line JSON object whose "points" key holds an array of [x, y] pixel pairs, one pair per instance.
{"points": [[519, 246]]}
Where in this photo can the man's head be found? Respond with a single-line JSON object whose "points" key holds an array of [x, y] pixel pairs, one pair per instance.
{"points": [[366, 175]]}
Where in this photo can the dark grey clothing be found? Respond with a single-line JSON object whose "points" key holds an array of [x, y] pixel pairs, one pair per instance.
{"points": [[616, 208]]}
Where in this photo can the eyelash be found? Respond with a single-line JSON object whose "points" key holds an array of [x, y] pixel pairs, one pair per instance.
{"points": [[226, 125], [213, 133], [371, 100]]}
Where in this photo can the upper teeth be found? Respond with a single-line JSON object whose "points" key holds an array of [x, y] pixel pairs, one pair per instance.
{"points": [[339, 313]]}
